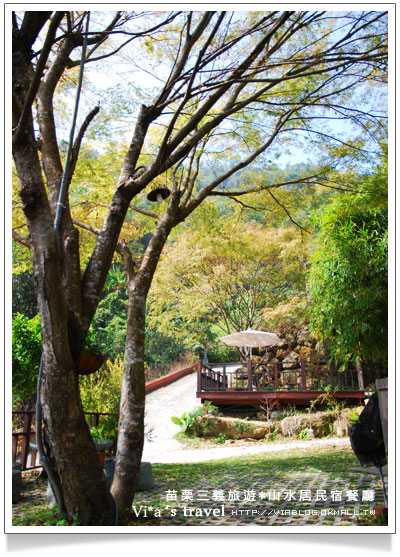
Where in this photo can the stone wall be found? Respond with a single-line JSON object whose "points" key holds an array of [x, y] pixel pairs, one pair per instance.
{"points": [[298, 342]]}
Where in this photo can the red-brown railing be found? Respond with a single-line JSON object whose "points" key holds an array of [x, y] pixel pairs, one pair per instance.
{"points": [[271, 376], [24, 449]]}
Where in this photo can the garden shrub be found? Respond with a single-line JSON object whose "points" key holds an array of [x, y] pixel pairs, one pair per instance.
{"points": [[26, 352], [101, 392]]}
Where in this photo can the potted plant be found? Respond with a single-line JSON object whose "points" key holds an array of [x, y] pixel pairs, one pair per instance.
{"points": [[102, 441]]}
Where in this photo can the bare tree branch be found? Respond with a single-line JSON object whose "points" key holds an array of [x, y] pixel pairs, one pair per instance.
{"points": [[34, 86], [20, 239], [287, 212], [78, 140]]}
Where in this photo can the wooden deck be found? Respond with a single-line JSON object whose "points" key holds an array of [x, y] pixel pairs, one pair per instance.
{"points": [[235, 385]]}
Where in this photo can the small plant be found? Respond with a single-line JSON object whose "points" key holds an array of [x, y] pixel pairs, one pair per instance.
{"points": [[188, 421], [182, 422], [289, 410], [222, 438], [267, 407], [354, 417], [98, 432], [303, 433], [275, 433], [209, 408], [328, 399], [242, 428]]}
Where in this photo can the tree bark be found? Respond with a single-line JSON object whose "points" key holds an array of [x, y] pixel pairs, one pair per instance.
{"points": [[132, 406], [69, 446]]}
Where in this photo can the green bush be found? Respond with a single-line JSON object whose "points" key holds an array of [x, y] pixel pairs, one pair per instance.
{"points": [[191, 423], [101, 392], [26, 352], [348, 281]]}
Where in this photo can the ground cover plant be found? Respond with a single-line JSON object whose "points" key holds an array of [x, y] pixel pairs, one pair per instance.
{"points": [[295, 469]]}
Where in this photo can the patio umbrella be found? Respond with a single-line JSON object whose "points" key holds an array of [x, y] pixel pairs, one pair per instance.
{"points": [[250, 338]]}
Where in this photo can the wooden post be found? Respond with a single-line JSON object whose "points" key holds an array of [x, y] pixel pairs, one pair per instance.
{"points": [[249, 376], [382, 388], [331, 370], [224, 384], [360, 376], [303, 374], [26, 437], [276, 375], [33, 457], [198, 376], [14, 447]]}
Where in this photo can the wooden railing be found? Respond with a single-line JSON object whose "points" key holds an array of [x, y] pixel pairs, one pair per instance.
{"points": [[24, 449], [271, 376], [23, 436]]}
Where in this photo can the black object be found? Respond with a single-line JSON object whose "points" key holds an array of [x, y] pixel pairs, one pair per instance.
{"points": [[158, 195], [366, 437]]}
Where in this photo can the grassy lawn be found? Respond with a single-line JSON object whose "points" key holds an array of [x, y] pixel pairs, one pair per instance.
{"points": [[242, 491]]}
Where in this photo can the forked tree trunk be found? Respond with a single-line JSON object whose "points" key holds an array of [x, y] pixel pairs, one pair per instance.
{"points": [[69, 447]]}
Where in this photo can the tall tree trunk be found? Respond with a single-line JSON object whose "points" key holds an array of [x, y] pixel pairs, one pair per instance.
{"points": [[131, 415], [69, 447], [131, 418]]}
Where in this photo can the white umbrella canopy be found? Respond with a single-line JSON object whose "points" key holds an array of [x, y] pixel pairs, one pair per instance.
{"points": [[250, 338]]}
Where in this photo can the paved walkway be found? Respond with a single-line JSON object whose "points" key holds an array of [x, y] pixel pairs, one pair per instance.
{"points": [[180, 396], [172, 400]]}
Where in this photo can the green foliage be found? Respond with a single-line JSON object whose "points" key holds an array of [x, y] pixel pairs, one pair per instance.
{"points": [[221, 438], [23, 295], [275, 433], [303, 433], [223, 275], [242, 427], [329, 400], [104, 431], [34, 514], [108, 331], [161, 348], [182, 421], [190, 422], [26, 352], [107, 334], [348, 279], [101, 392], [354, 416]]}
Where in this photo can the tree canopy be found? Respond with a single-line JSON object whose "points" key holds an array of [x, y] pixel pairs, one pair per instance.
{"points": [[349, 273], [236, 86], [224, 274]]}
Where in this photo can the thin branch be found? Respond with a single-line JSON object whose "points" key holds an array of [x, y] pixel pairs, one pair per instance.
{"points": [[78, 140], [245, 206], [34, 86], [95, 231], [85, 226], [137, 209], [287, 212], [306, 180], [144, 212], [17, 238]]}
